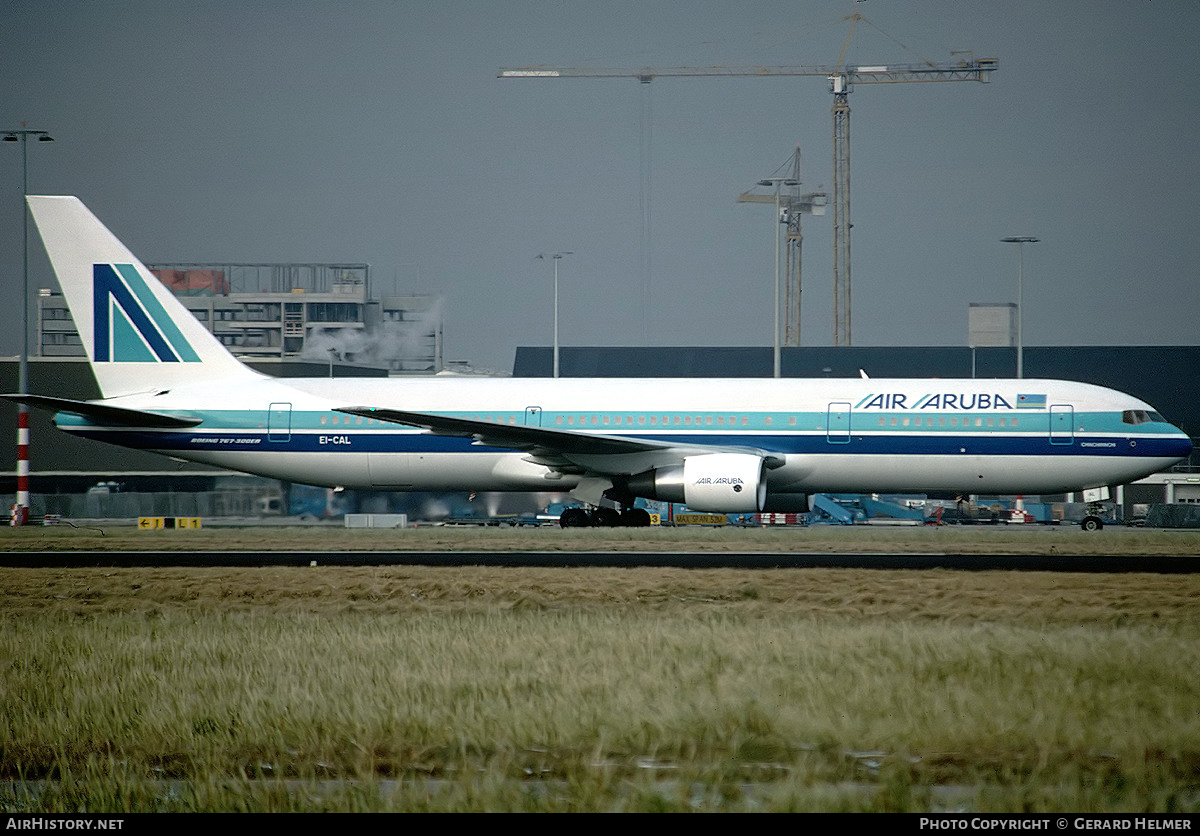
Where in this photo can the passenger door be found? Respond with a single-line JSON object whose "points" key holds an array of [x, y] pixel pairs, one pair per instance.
{"points": [[1062, 424], [279, 422], [837, 422]]}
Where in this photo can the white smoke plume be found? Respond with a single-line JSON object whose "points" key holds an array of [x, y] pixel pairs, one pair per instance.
{"points": [[389, 341]]}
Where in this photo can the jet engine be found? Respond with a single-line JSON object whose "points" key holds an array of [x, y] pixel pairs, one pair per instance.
{"points": [[723, 483]]}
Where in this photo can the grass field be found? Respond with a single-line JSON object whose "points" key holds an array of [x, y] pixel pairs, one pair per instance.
{"points": [[863, 538], [424, 688]]}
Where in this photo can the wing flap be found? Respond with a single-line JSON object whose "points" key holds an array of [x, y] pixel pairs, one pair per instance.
{"points": [[539, 441], [566, 451]]}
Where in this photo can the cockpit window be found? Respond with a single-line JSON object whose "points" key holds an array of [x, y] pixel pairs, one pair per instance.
{"points": [[1140, 416]]}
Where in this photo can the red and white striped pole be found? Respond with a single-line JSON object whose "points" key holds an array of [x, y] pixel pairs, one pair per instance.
{"points": [[21, 511]]}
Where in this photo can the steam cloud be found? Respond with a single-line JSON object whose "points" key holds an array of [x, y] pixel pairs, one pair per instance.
{"points": [[390, 340]]}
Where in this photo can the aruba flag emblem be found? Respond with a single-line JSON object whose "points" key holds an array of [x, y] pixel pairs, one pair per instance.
{"points": [[130, 324]]}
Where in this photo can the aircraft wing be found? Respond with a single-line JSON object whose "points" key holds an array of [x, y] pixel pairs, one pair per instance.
{"points": [[564, 450], [104, 413]]}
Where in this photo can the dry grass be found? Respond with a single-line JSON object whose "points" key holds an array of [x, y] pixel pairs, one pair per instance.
{"points": [[475, 688], [1018, 598], [958, 539], [600, 689]]}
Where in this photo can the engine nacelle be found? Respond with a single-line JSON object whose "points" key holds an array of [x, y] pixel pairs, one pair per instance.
{"points": [[722, 483]]}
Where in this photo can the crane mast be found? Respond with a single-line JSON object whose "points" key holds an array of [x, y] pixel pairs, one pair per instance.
{"points": [[795, 205], [841, 80], [841, 211]]}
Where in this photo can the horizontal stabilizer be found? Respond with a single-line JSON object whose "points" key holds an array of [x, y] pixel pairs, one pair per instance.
{"points": [[104, 413]]}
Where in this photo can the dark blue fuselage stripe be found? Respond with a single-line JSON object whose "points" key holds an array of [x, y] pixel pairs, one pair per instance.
{"points": [[883, 444]]}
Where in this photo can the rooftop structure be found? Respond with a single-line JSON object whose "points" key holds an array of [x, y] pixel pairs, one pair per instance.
{"points": [[991, 324], [322, 313]]}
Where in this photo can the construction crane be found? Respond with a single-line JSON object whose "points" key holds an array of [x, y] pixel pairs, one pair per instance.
{"points": [[964, 67], [793, 207]]}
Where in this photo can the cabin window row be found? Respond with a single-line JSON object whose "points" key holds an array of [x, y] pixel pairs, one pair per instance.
{"points": [[942, 421], [655, 420], [706, 420]]}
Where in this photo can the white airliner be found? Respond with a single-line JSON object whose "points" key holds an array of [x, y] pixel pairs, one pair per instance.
{"points": [[718, 445]]}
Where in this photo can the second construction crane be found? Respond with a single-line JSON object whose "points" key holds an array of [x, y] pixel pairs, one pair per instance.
{"points": [[841, 81], [794, 206]]}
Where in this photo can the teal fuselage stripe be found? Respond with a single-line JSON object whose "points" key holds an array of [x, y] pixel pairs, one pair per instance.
{"points": [[388, 438], [1025, 424]]}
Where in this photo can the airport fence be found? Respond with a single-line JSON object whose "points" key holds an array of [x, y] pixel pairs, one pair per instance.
{"points": [[134, 504]]}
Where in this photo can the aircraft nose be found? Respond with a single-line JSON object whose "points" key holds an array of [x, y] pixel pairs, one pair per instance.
{"points": [[1181, 444]]}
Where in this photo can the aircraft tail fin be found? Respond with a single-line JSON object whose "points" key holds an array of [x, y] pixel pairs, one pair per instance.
{"points": [[137, 335]]}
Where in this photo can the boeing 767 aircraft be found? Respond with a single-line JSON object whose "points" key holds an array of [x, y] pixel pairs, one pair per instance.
{"points": [[718, 445]]}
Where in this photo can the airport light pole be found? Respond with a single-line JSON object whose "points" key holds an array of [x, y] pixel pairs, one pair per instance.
{"points": [[777, 182], [556, 258], [1020, 241], [21, 512]]}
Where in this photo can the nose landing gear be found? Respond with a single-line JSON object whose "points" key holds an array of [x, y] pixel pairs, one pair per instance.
{"points": [[1091, 523]]}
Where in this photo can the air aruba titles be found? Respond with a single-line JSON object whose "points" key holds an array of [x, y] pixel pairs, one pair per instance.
{"points": [[950, 401]]}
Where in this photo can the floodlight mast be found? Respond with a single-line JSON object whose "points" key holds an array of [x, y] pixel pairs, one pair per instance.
{"points": [[20, 511]]}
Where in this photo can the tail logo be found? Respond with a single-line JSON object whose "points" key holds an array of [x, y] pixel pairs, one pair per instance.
{"points": [[131, 325]]}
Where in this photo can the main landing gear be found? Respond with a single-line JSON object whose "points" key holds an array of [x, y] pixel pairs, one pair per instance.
{"points": [[605, 517]]}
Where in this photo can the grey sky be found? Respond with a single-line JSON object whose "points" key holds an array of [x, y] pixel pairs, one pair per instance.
{"points": [[377, 131]]}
